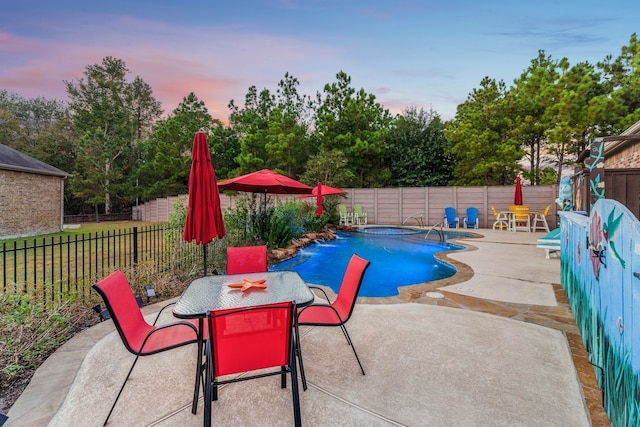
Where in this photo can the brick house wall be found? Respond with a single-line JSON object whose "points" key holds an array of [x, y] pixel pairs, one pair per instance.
{"points": [[627, 158], [623, 154], [30, 203]]}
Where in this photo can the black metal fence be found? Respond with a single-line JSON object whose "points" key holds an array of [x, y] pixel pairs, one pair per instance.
{"points": [[67, 266]]}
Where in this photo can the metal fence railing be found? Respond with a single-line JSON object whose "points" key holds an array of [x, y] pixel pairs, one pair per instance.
{"points": [[50, 267]]}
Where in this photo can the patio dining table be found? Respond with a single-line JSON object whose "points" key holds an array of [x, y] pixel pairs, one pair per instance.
{"points": [[213, 293]]}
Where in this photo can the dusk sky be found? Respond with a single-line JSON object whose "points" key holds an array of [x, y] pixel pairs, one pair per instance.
{"points": [[422, 53]]}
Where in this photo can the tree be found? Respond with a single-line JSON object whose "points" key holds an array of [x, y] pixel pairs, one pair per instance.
{"points": [[354, 123], [529, 100], [418, 158], [288, 145], [110, 114], [622, 81], [225, 146], [251, 124], [330, 168], [42, 129], [479, 138], [98, 179], [165, 158], [12, 133], [144, 107], [25, 119], [576, 116], [272, 129]]}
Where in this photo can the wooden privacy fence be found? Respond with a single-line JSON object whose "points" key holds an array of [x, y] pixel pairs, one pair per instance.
{"points": [[402, 206]]}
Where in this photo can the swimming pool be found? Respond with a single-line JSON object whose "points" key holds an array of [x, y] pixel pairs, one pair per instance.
{"points": [[399, 257]]}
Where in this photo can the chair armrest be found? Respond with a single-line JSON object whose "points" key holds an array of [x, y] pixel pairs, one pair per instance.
{"points": [[321, 290], [160, 312], [329, 306], [169, 325]]}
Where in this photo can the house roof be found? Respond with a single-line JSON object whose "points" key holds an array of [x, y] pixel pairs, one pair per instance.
{"points": [[14, 160], [629, 136]]}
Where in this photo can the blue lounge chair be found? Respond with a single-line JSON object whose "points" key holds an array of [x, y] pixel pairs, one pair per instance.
{"points": [[471, 220], [550, 242], [450, 218]]}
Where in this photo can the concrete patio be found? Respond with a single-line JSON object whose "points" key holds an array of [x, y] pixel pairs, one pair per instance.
{"points": [[495, 345]]}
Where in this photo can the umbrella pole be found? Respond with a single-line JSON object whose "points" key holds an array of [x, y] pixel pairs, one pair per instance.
{"points": [[264, 213], [204, 251]]}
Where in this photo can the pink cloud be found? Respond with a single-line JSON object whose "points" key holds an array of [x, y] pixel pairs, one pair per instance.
{"points": [[212, 62], [217, 64], [10, 43]]}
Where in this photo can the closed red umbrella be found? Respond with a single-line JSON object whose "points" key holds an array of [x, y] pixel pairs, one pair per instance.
{"points": [[319, 200], [204, 215], [517, 197]]}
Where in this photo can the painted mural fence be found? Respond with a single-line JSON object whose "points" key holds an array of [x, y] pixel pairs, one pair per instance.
{"points": [[600, 269]]}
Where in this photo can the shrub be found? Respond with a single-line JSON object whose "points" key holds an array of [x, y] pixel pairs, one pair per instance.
{"points": [[30, 331]]}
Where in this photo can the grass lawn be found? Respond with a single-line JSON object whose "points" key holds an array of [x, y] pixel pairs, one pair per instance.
{"points": [[70, 259], [87, 227]]}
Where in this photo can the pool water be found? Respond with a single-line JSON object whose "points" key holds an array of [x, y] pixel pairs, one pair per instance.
{"points": [[398, 258]]}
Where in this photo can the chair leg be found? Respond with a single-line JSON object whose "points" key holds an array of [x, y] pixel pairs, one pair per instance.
{"points": [[299, 355], [283, 377], [346, 335], [294, 383], [199, 371], [208, 380], [121, 388]]}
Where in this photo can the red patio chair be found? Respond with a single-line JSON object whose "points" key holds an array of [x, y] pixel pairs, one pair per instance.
{"points": [[138, 336], [250, 339], [338, 312], [246, 259]]}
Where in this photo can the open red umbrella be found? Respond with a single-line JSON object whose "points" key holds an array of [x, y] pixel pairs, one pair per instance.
{"points": [[517, 197], [265, 181], [319, 200], [324, 189], [204, 216]]}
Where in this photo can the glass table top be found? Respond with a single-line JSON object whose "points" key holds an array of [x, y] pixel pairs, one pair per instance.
{"points": [[213, 293]]}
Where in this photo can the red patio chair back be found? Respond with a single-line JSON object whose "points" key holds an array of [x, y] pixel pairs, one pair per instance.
{"points": [[138, 336], [338, 312], [246, 259], [250, 339], [124, 310], [351, 282]]}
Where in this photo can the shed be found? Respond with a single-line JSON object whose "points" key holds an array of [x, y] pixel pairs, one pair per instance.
{"points": [[31, 195], [623, 152], [615, 170]]}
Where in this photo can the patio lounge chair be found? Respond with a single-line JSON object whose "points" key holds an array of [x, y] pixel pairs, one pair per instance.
{"points": [[520, 219], [139, 337], [450, 218], [359, 217], [346, 218], [502, 219], [251, 339], [246, 259], [540, 217], [338, 312], [550, 242], [471, 220]]}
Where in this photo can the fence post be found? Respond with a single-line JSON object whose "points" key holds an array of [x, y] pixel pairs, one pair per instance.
{"points": [[135, 245]]}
